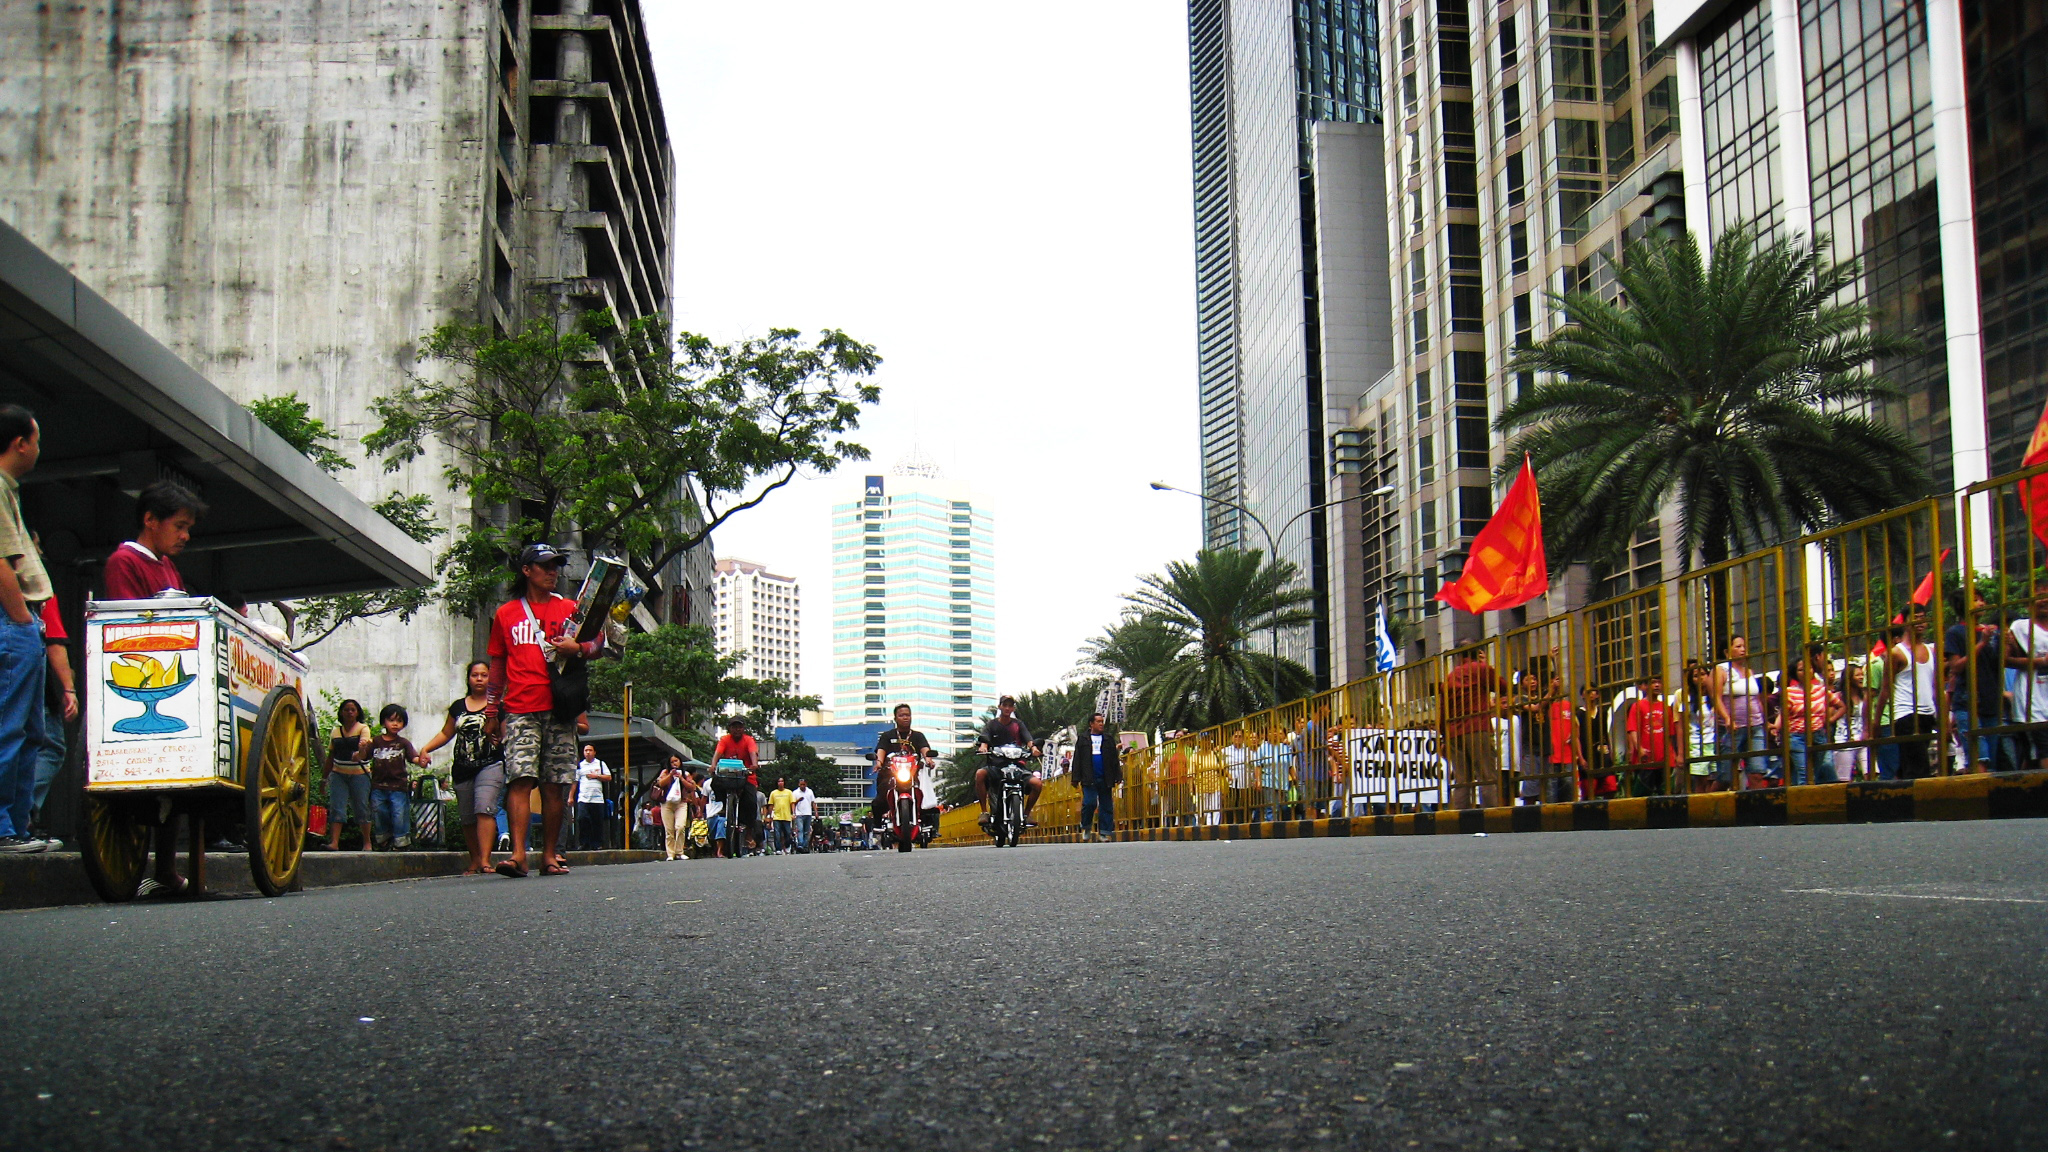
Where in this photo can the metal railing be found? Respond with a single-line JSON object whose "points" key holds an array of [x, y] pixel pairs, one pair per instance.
{"points": [[1825, 660]]}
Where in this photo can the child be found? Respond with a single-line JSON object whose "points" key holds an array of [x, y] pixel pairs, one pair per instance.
{"points": [[1648, 719], [389, 798]]}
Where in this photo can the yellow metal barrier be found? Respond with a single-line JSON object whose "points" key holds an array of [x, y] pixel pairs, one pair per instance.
{"points": [[1819, 661]]}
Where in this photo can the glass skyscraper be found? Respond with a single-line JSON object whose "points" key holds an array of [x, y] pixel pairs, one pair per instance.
{"points": [[913, 605], [1262, 74]]}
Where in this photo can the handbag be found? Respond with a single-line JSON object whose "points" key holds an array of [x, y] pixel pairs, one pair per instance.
{"points": [[568, 678]]}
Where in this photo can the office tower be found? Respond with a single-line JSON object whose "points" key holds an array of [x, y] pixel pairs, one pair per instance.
{"points": [[1284, 162], [758, 614], [913, 605], [1526, 143], [291, 197]]}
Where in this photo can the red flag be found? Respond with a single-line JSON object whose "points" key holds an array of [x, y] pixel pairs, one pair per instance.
{"points": [[2034, 489], [1924, 594], [1506, 567]]}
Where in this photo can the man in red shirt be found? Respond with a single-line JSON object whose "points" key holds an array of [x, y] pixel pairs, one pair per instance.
{"points": [[142, 567], [1467, 707], [1648, 718], [540, 748]]}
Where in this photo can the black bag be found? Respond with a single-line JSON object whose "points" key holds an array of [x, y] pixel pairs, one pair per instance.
{"points": [[569, 683]]}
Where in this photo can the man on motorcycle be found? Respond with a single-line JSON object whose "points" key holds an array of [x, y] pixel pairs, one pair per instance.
{"points": [[900, 739], [1007, 729]]}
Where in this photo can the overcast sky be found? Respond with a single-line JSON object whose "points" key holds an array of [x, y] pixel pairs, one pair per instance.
{"points": [[995, 196]]}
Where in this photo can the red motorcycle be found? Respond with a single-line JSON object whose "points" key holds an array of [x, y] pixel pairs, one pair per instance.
{"points": [[905, 824]]}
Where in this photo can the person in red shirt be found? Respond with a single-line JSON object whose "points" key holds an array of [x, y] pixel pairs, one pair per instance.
{"points": [[1648, 720], [1566, 761], [540, 748], [1468, 708], [738, 796], [142, 567]]}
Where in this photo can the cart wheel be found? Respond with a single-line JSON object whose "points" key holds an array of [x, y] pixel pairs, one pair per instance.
{"points": [[116, 849], [276, 774]]}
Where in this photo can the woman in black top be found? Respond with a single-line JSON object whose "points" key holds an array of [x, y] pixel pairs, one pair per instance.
{"points": [[348, 773], [479, 769]]}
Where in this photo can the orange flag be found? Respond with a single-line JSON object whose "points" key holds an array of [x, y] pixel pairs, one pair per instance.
{"points": [[1506, 567], [2034, 489]]}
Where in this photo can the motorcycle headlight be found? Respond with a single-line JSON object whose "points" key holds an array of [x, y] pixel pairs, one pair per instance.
{"points": [[903, 774]]}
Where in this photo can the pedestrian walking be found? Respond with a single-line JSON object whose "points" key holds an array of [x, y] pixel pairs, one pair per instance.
{"points": [[390, 784], [671, 790], [540, 742], [804, 809], [348, 774], [24, 587], [592, 775], [1098, 769], [60, 711], [782, 803], [479, 770]]}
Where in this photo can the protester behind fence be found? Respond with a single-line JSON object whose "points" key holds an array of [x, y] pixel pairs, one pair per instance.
{"points": [[1977, 654], [1810, 707], [1911, 674], [1738, 698], [2027, 654], [478, 773], [1854, 729], [1700, 728], [1648, 726], [1596, 749], [1467, 706]]}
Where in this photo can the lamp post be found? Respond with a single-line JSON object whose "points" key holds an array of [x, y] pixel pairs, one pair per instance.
{"points": [[1273, 552]]}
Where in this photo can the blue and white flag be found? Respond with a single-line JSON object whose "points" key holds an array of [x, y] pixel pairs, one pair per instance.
{"points": [[1383, 644]]}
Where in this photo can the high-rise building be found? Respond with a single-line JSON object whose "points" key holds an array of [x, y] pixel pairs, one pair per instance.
{"points": [[1287, 196], [291, 197], [758, 615], [913, 605]]}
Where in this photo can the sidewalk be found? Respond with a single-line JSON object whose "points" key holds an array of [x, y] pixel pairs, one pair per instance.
{"points": [[48, 879]]}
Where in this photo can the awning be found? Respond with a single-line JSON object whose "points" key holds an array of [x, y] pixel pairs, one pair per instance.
{"points": [[118, 410]]}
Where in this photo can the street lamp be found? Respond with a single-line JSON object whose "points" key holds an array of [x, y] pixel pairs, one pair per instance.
{"points": [[1273, 551]]}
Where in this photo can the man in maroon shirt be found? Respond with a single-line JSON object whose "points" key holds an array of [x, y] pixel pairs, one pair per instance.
{"points": [[142, 567]]}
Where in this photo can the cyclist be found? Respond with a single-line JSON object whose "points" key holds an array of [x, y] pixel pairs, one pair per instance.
{"points": [[1005, 728], [736, 790], [900, 739]]}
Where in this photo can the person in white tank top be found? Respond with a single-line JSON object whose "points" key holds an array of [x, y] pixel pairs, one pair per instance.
{"points": [[2026, 651], [1911, 686]]}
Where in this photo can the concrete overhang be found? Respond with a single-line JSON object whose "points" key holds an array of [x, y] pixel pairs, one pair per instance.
{"points": [[116, 407], [1682, 19]]}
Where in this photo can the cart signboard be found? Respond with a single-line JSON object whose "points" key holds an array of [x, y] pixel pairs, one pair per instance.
{"points": [[174, 686]]}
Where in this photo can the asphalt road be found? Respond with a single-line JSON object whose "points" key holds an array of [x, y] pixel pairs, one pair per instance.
{"points": [[1852, 987]]}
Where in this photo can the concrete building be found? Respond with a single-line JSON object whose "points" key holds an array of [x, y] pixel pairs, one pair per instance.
{"points": [[913, 605], [758, 614], [1291, 315], [290, 197]]}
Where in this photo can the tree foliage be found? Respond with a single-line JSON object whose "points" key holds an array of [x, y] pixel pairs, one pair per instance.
{"points": [[293, 421], [1739, 386], [637, 443], [796, 760], [1218, 608], [1132, 648], [678, 674], [1048, 710]]}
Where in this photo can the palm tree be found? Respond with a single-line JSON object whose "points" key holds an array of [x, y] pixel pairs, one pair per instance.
{"points": [[1131, 648], [1740, 384], [1217, 610]]}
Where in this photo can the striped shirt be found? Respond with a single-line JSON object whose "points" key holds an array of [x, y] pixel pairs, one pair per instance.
{"points": [[1807, 706]]}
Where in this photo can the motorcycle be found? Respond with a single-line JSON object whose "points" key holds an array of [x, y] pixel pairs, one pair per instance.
{"points": [[1006, 807], [902, 820]]}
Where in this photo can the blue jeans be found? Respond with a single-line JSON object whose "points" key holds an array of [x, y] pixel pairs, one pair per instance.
{"points": [[1097, 808], [1886, 755], [1734, 742], [391, 812], [49, 760], [1993, 750], [803, 832], [348, 792], [21, 720], [1795, 751]]}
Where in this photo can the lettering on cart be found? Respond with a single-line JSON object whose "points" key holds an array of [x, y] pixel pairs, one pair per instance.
{"points": [[155, 760], [224, 728]]}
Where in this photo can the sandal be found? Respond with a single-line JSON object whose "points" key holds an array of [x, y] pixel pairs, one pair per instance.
{"points": [[553, 870], [508, 869]]}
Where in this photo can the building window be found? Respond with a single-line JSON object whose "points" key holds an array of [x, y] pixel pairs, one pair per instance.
{"points": [[1462, 244], [1507, 43], [1578, 145], [1422, 405], [1467, 304], [1518, 247], [1475, 508], [1425, 460], [1525, 322], [1511, 110], [1572, 15], [1614, 72], [1621, 144], [1454, 57], [1572, 64], [1407, 38], [1646, 35], [1408, 102], [1574, 199], [1425, 531], [1658, 101], [1419, 329], [1468, 376], [1418, 272], [1457, 116], [1518, 182], [877, 632]]}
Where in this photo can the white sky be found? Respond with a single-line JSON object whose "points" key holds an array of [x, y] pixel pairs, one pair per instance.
{"points": [[998, 198]]}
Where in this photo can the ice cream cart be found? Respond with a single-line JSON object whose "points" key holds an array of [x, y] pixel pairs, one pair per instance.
{"points": [[193, 713]]}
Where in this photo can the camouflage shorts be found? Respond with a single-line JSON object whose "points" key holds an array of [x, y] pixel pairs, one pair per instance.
{"points": [[540, 747]]}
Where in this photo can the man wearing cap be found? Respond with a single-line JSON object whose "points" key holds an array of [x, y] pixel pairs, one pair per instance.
{"points": [[540, 749], [1007, 729]]}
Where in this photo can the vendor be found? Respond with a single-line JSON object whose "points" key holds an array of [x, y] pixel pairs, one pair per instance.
{"points": [[141, 569]]}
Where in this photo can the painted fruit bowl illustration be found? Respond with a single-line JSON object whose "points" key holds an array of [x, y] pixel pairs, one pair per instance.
{"points": [[145, 680]]}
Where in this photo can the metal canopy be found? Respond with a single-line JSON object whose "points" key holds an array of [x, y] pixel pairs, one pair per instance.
{"points": [[118, 410]]}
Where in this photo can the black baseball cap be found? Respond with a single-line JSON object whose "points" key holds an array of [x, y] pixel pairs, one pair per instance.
{"points": [[539, 554]]}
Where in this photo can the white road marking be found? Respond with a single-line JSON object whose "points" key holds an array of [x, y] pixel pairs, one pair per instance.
{"points": [[1912, 896]]}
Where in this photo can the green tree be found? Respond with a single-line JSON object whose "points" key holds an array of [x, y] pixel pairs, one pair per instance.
{"points": [[796, 760], [316, 618], [677, 673], [636, 442], [1048, 710], [1737, 386], [1220, 608], [1132, 648]]}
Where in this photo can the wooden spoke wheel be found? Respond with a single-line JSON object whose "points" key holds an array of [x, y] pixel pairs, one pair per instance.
{"points": [[116, 847], [277, 775]]}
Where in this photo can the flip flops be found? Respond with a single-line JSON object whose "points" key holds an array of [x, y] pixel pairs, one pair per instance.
{"points": [[508, 869], [553, 870]]}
